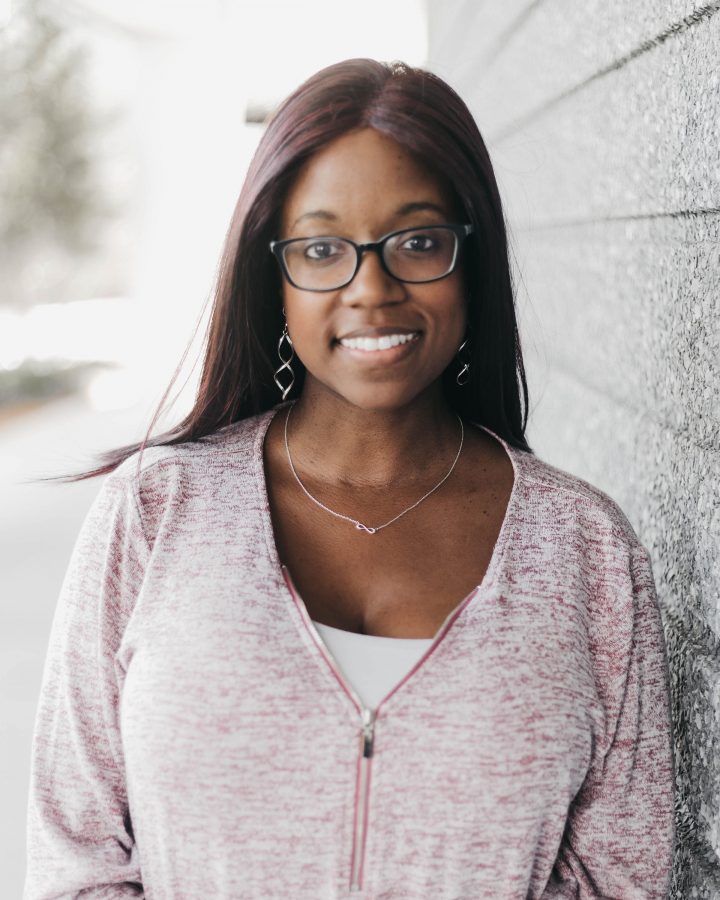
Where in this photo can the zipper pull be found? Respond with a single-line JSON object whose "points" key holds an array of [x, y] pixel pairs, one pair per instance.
{"points": [[368, 716]]}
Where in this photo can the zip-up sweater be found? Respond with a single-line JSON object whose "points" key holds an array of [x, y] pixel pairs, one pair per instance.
{"points": [[196, 739]]}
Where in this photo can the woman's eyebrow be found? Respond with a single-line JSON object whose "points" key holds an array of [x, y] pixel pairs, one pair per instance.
{"points": [[420, 206], [315, 214], [404, 210]]}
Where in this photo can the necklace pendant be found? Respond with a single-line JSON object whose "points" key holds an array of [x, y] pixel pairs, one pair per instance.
{"points": [[361, 527]]}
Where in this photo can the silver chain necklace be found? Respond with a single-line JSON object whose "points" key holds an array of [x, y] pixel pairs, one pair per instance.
{"points": [[359, 525]]}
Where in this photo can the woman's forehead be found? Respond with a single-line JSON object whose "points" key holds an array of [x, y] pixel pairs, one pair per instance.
{"points": [[361, 173]]}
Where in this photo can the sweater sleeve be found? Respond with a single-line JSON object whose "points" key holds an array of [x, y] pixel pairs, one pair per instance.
{"points": [[620, 832], [79, 833]]}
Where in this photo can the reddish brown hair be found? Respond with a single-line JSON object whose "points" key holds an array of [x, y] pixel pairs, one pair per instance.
{"points": [[424, 114]]}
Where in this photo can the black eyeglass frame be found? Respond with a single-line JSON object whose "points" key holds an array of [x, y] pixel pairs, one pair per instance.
{"points": [[277, 248]]}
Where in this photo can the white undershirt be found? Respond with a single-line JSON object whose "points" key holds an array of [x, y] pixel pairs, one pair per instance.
{"points": [[373, 665]]}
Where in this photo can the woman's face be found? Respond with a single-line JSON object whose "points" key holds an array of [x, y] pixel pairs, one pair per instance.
{"points": [[363, 186]]}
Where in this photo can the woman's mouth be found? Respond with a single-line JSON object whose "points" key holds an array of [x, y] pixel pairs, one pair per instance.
{"points": [[381, 342], [379, 350]]}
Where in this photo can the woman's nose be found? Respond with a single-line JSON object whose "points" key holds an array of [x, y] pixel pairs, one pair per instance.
{"points": [[372, 285]]}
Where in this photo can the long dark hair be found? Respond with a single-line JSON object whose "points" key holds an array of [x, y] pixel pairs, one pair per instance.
{"points": [[425, 115]]}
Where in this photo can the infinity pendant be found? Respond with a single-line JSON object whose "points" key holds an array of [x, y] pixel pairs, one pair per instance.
{"points": [[361, 527]]}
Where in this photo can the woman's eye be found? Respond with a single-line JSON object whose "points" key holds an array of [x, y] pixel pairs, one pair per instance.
{"points": [[418, 242], [322, 250]]}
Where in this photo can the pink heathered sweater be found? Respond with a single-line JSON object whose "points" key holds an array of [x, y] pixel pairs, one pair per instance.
{"points": [[195, 739]]}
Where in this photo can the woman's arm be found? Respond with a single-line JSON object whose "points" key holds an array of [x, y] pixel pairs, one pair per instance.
{"points": [[620, 833], [79, 834]]}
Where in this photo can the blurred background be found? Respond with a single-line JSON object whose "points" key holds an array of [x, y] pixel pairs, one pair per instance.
{"points": [[125, 133]]}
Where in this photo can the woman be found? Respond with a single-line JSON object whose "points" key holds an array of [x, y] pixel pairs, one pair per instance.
{"points": [[342, 632]]}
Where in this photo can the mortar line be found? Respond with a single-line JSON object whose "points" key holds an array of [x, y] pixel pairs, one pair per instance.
{"points": [[631, 217], [703, 13]]}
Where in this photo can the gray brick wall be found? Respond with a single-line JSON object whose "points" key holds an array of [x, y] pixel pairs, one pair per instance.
{"points": [[603, 122]]}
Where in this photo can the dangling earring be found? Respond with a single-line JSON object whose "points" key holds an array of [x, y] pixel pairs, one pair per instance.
{"points": [[463, 376], [285, 363]]}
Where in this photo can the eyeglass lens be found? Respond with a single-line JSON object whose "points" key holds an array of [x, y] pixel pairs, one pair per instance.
{"points": [[414, 255]]}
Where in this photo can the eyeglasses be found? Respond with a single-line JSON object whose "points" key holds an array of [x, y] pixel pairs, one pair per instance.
{"points": [[412, 255]]}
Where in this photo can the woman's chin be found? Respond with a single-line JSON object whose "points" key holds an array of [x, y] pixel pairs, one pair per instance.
{"points": [[373, 396]]}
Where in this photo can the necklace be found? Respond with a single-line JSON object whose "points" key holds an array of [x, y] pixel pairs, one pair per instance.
{"points": [[359, 525]]}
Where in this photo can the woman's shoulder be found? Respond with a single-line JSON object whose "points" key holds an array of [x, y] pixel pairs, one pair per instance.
{"points": [[162, 478], [235, 446], [561, 496]]}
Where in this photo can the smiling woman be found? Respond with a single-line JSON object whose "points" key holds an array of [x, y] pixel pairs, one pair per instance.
{"points": [[365, 185], [342, 612]]}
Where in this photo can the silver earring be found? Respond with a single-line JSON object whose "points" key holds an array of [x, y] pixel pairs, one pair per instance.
{"points": [[463, 376], [285, 363]]}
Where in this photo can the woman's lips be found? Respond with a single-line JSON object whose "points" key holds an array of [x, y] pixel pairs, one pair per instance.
{"points": [[381, 357], [377, 340]]}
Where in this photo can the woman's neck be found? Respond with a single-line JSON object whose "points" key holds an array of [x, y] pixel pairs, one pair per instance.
{"points": [[339, 443]]}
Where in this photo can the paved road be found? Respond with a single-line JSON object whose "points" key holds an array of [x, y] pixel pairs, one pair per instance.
{"points": [[38, 527]]}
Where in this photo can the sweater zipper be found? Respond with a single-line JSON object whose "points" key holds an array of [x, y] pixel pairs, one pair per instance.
{"points": [[362, 797], [367, 732]]}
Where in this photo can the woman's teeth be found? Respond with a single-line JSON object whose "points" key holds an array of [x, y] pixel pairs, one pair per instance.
{"points": [[385, 342]]}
